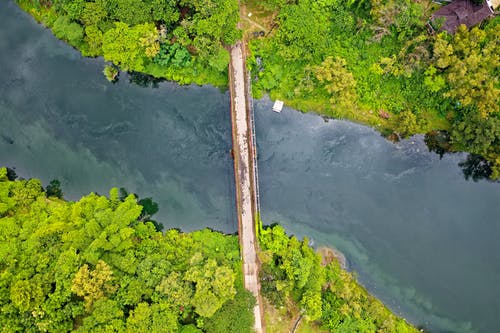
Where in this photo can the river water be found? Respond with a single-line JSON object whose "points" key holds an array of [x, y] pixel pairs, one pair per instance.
{"points": [[420, 236]]}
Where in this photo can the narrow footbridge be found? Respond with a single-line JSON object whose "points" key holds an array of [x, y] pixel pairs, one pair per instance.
{"points": [[245, 174]]}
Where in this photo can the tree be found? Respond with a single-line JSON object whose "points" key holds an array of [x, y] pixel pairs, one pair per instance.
{"points": [[93, 285], [26, 295], [303, 27], [93, 39], [476, 134], [94, 13], [126, 46], [338, 81], [406, 124], [480, 136], [54, 189], [132, 12], [177, 290], [152, 318], [71, 32], [405, 16], [72, 8], [214, 285], [233, 316], [469, 62], [111, 73], [106, 317]]}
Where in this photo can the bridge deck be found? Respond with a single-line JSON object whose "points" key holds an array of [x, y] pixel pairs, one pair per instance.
{"points": [[243, 150]]}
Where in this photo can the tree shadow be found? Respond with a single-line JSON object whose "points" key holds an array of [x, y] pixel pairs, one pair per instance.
{"points": [[144, 80], [438, 142], [476, 167]]}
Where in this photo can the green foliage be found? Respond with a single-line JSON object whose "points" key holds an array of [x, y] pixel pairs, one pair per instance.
{"points": [[406, 124], [54, 189], [325, 292], [290, 268], [367, 61], [181, 40], [234, 315], [172, 54], [72, 8], [93, 13], [303, 27], [96, 266], [480, 136], [470, 63], [362, 59], [111, 73], [213, 285], [122, 45], [93, 41], [477, 134], [93, 285], [338, 81], [69, 31]]}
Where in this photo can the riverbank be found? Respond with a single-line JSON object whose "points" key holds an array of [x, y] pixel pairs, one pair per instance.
{"points": [[391, 81], [206, 303], [330, 254], [354, 61], [297, 280], [151, 40], [70, 122]]}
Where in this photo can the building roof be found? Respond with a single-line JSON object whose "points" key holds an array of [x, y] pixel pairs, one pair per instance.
{"points": [[462, 12]]}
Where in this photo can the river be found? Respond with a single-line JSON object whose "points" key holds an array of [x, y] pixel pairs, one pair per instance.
{"points": [[420, 236]]}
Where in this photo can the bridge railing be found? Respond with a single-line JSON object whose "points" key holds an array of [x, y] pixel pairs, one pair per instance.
{"points": [[254, 143]]}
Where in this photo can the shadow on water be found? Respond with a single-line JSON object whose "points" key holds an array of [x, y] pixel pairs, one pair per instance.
{"points": [[474, 167], [144, 80], [438, 142]]}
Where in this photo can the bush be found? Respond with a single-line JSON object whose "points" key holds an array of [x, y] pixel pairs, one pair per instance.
{"points": [[69, 31]]}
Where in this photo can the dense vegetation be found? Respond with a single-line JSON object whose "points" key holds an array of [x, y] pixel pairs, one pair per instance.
{"points": [[97, 265], [93, 266], [376, 62], [326, 295], [373, 61], [181, 40]]}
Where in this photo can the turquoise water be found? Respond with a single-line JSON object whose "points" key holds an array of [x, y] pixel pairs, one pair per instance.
{"points": [[421, 237]]}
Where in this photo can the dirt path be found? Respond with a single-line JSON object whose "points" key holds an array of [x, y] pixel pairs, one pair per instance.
{"points": [[243, 164], [255, 24]]}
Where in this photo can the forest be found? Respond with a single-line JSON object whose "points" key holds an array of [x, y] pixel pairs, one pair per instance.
{"points": [[99, 265], [377, 62]]}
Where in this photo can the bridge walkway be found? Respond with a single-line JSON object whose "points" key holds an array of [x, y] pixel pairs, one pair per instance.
{"points": [[245, 174]]}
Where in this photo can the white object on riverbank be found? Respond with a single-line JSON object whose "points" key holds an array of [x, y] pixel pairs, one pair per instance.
{"points": [[278, 106]]}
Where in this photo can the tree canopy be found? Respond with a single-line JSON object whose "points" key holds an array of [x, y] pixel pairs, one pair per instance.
{"points": [[95, 266], [325, 293], [375, 61], [131, 33]]}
